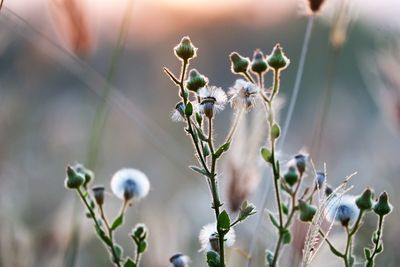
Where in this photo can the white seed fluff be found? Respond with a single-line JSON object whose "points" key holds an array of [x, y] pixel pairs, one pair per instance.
{"points": [[208, 231], [130, 184], [343, 211]]}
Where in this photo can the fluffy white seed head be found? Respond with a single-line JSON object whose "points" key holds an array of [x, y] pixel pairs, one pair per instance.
{"points": [[213, 99], [130, 184], [208, 235], [243, 95], [343, 211]]}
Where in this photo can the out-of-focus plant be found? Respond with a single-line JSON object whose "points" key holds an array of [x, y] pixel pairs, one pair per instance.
{"points": [[129, 185]]}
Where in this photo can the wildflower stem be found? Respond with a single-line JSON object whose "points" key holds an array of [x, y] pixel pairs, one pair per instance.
{"points": [[214, 190], [110, 235], [248, 77], [331, 246], [299, 75], [377, 243]]}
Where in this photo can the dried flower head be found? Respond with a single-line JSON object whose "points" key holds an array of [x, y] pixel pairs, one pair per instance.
{"points": [[180, 260], [243, 95], [344, 211], [208, 237], [98, 192], [130, 184], [213, 99]]}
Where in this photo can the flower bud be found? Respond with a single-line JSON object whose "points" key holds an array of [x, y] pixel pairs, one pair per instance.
{"points": [[196, 80], [364, 201], [239, 64], [258, 64], [247, 209], [383, 207], [291, 176], [301, 162], [98, 192], [74, 179], [179, 260], [88, 174], [185, 49], [307, 211], [277, 59]]}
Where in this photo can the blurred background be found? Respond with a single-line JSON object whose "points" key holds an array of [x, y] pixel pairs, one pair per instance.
{"points": [[54, 63]]}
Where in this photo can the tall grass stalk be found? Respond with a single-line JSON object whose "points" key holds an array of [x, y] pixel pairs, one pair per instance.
{"points": [[299, 76]]}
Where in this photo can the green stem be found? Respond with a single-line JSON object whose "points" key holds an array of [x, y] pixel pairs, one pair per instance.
{"points": [[377, 243], [214, 190], [110, 232]]}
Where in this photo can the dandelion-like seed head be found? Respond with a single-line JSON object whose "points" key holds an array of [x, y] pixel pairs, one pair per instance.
{"points": [[208, 238], [179, 260], [243, 95], [213, 99], [343, 211], [130, 184]]}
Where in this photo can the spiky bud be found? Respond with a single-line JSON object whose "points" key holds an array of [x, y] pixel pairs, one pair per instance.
{"points": [[74, 179], [307, 211], [364, 201], [196, 80], [239, 64], [291, 176], [185, 50], [259, 64], [383, 207], [277, 60]]}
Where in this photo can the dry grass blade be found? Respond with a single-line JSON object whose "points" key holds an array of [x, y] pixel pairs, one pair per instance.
{"points": [[314, 240], [71, 21]]}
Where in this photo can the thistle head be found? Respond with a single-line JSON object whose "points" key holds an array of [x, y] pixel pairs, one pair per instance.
{"points": [[196, 80], [185, 50], [259, 64], [277, 60], [239, 64], [382, 206]]}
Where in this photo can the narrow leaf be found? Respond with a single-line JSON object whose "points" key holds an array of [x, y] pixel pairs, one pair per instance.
{"points": [[117, 222]]}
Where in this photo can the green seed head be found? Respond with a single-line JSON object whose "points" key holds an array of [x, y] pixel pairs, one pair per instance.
{"points": [[196, 80], [383, 207], [364, 201], [277, 59], [307, 211], [239, 64], [74, 179], [291, 176], [185, 49], [259, 65]]}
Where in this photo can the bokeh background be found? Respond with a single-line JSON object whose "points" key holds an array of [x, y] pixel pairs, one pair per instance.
{"points": [[50, 87]]}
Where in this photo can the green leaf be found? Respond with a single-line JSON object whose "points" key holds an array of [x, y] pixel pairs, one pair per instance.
{"points": [[213, 259], [129, 263], [117, 222], [222, 149], [189, 109], [335, 251], [199, 170], [367, 253], [206, 151], [142, 247], [103, 236], [119, 251], [273, 219], [201, 135], [275, 131], [223, 221], [286, 236], [285, 208], [266, 154], [199, 118]]}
